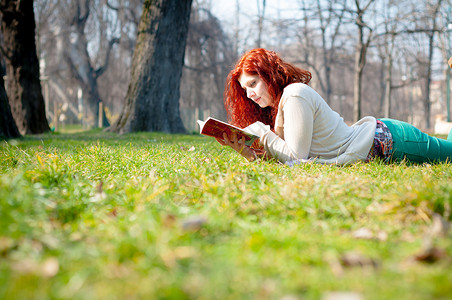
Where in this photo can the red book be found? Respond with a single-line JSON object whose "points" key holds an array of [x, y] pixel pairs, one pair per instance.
{"points": [[215, 128]]}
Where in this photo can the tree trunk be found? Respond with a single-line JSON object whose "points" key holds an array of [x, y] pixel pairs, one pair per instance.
{"points": [[152, 100], [357, 86], [8, 128], [92, 100], [22, 66], [260, 22], [92, 103], [360, 57], [382, 82], [81, 64], [388, 87], [428, 82], [329, 28]]}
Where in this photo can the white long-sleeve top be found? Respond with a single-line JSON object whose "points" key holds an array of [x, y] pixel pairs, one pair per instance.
{"points": [[306, 128]]}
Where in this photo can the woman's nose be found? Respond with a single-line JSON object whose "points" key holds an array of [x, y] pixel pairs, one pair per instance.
{"points": [[250, 93]]}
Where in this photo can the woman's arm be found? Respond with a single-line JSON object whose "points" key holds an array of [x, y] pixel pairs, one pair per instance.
{"points": [[298, 126], [298, 129]]}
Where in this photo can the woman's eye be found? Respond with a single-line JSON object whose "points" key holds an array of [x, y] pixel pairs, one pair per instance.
{"points": [[253, 84]]}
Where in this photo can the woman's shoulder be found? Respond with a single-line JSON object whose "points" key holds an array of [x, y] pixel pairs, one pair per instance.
{"points": [[299, 90], [296, 88]]}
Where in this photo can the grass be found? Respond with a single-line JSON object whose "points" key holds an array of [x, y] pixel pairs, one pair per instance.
{"points": [[94, 215]]}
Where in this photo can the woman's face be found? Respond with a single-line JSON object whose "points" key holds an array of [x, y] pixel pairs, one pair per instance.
{"points": [[256, 89]]}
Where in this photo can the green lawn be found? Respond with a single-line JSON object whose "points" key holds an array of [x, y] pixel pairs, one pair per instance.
{"points": [[96, 215]]}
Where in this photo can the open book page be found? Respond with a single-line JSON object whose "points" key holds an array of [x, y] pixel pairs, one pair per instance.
{"points": [[215, 128]]}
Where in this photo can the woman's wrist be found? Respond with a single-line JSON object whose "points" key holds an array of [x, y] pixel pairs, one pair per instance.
{"points": [[252, 156], [248, 153]]}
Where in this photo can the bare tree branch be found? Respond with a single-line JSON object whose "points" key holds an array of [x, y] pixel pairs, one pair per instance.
{"points": [[99, 71]]}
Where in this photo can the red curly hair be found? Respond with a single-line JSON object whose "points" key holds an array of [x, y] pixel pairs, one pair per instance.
{"points": [[275, 72]]}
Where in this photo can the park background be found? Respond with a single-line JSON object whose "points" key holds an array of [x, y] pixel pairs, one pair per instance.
{"points": [[397, 49]]}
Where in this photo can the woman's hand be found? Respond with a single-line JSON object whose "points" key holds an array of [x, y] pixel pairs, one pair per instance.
{"points": [[238, 145]]}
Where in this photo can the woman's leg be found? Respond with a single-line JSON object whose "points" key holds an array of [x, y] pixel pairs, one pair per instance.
{"points": [[412, 144]]}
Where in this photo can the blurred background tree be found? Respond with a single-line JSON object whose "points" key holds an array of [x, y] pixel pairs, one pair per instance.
{"points": [[8, 128], [22, 66], [152, 100]]}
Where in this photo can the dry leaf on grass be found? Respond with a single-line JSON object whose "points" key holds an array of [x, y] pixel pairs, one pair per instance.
{"points": [[169, 220], [113, 213], [289, 297], [439, 227], [6, 244], [192, 148], [430, 255], [171, 256], [50, 241], [367, 234], [48, 268], [118, 271], [363, 233], [342, 296], [355, 259], [25, 266], [194, 223]]}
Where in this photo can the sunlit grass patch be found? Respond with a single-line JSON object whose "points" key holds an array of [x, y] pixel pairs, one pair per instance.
{"points": [[149, 215]]}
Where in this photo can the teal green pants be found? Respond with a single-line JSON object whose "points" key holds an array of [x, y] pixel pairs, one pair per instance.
{"points": [[413, 145]]}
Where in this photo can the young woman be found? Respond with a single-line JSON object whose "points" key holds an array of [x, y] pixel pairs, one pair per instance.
{"points": [[272, 99]]}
